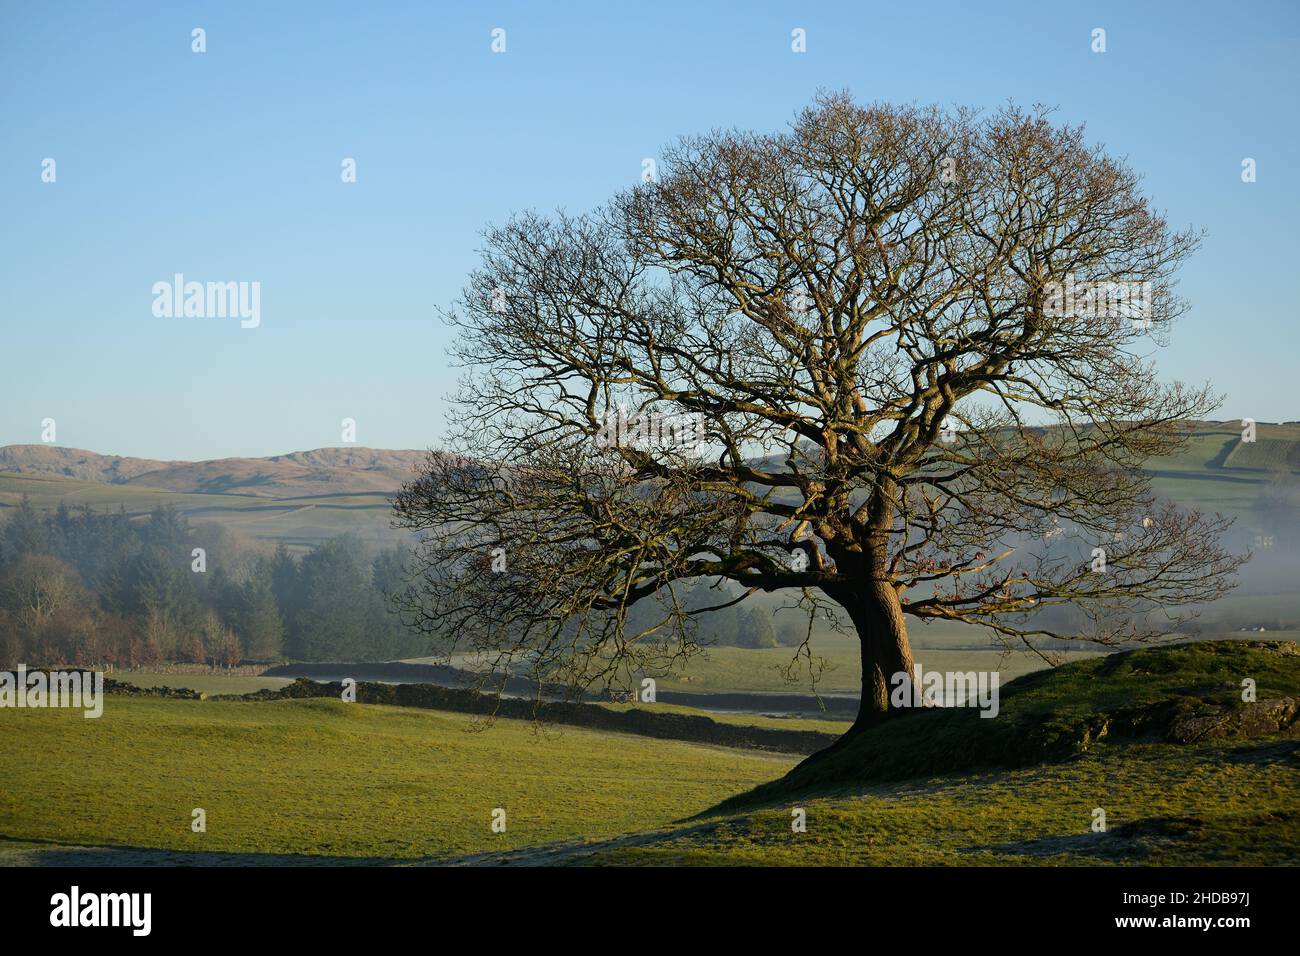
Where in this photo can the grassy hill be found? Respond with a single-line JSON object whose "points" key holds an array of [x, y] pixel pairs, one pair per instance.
{"points": [[1217, 471], [300, 498], [1158, 739], [298, 474], [1172, 694], [1212, 804]]}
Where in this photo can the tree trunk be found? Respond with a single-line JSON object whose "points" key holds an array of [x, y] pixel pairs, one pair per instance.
{"points": [[877, 614]]}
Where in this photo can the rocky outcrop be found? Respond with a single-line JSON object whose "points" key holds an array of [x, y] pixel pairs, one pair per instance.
{"points": [[1259, 719]]}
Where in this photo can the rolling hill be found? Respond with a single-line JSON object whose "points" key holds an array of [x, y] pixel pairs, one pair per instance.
{"points": [[298, 474], [306, 496], [300, 498]]}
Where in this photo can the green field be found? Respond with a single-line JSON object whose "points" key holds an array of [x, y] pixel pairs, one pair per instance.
{"points": [[721, 669], [324, 782], [210, 684], [324, 779], [319, 781], [1217, 471]]}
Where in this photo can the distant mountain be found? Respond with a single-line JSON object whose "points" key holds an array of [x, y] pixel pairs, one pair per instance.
{"points": [[323, 471]]}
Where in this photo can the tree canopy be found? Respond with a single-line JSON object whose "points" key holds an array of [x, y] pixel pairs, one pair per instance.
{"points": [[894, 358]]}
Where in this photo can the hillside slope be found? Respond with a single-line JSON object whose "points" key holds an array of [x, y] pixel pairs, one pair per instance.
{"points": [[320, 471], [1204, 779], [1174, 695], [301, 498]]}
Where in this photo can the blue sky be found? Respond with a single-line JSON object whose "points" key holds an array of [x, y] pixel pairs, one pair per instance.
{"points": [[225, 166]]}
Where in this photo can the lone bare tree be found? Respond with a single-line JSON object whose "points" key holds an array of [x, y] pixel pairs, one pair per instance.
{"points": [[894, 360]]}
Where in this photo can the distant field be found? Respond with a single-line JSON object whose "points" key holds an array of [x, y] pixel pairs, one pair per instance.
{"points": [[1219, 472], [718, 669], [774, 722], [324, 779], [742, 669], [1213, 444], [298, 521], [1215, 471], [1266, 454], [217, 684], [210, 684]]}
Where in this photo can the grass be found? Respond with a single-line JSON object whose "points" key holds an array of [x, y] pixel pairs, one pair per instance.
{"points": [[323, 781], [1055, 715], [221, 684], [722, 669], [298, 521], [743, 719], [331, 780], [923, 790], [1266, 455], [1213, 804], [210, 684], [1217, 472]]}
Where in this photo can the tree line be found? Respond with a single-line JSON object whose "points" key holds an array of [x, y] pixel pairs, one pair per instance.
{"points": [[107, 589]]}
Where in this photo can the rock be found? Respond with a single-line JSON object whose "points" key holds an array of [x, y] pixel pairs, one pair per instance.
{"points": [[1257, 719]]}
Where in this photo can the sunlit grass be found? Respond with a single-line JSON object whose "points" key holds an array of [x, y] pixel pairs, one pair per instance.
{"points": [[322, 777]]}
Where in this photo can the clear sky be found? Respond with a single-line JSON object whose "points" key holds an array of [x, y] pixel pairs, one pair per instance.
{"points": [[226, 166]]}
